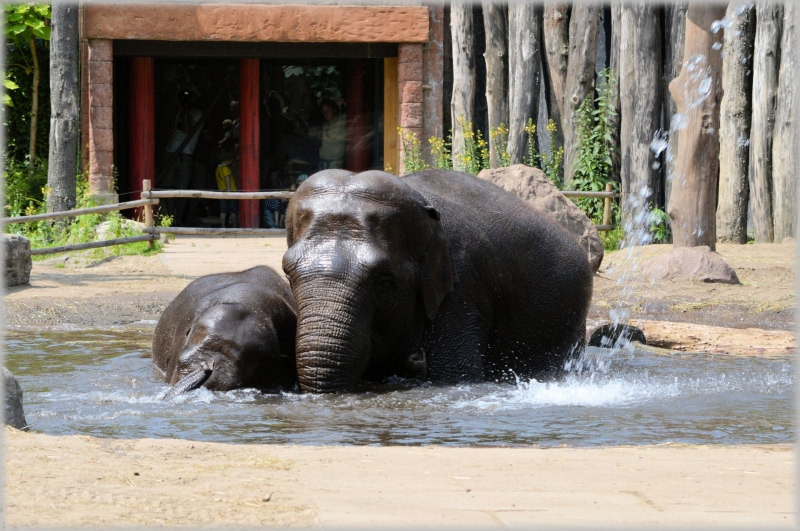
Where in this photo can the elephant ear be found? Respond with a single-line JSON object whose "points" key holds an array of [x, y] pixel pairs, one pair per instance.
{"points": [[438, 272]]}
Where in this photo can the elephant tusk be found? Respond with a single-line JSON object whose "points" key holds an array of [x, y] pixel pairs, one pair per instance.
{"points": [[193, 380]]}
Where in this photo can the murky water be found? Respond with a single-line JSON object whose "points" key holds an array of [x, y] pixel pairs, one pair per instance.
{"points": [[103, 383]]}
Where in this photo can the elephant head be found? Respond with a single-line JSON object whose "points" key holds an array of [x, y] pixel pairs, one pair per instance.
{"points": [[369, 264], [230, 346]]}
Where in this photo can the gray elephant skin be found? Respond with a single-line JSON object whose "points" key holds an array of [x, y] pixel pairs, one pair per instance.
{"points": [[229, 331], [438, 269]]}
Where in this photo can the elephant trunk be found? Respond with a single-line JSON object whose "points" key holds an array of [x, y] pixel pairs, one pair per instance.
{"points": [[333, 341]]}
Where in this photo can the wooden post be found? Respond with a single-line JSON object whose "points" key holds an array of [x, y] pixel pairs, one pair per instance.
{"points": [[461, 104], [142, 124], [697, 92], [524, 23], [496, 55], [249, 140], [555, 28], [607, 206], [148, 210], [357, 152], [391, 158]]}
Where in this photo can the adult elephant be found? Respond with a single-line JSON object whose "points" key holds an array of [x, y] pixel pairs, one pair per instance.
{"points": [[437, 264]]}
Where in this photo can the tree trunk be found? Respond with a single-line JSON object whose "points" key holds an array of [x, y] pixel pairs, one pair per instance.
{"points": [[34, 108], [580, 76], [769, 17], [463, 76], [494, 21], [554, 63], [524, 23], [675, 22], [697, 92], [640, 100], [784, 148], [616, 31], [64, 116], [734, 132]]}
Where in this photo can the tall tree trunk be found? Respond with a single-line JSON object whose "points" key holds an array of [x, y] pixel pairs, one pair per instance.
{"points": [[616, 46], [784, 148], [580, 76], [34, 107], [494, 21], [461, 104], [64, 116], [675, 23], [769, 17], [697, 92], [554, 63], [524, 30], [640, 98], [734, 132]]}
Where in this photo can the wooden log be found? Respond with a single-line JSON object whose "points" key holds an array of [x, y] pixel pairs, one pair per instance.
{"points": [[583, 30], [64, 112], [148, 209], [769, 19], [93, 245], [616, 32], [496, 56], [697, 91], [524, 24], [784, 138], [675, 34], [80, 211], [461, 104], [213, 231], [691, 337], [555, 30], [640, 82], [734, 132], [211, 194], [595, 195]]}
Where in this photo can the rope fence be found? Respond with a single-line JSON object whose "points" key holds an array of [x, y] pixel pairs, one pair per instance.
{"points": [[152, 197]]}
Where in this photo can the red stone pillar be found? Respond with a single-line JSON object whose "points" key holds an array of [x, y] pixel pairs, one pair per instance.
{"points": [[409, 80], [249, 140], [357, 154], [142, 124], [101, 120]]}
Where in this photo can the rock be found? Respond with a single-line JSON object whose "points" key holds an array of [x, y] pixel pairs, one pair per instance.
{"points": [[14, 415], [128, 225], [608, 335], [532, 186], [685, 263], [18, 259]]}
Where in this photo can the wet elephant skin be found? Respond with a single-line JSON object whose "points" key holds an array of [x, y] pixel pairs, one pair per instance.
{"points": [[438, 264], [229, 331]]}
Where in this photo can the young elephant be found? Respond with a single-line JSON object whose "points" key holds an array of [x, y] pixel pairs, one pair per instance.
{"points": [[228, 331]]}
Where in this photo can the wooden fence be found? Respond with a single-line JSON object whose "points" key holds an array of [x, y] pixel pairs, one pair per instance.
{"points": [[152, 197]]}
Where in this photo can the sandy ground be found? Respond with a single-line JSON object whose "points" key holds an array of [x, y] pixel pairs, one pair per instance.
{"points": [[79, 481]]}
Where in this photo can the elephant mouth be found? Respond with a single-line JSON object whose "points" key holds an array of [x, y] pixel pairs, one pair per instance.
{"points": [[191, 381]]}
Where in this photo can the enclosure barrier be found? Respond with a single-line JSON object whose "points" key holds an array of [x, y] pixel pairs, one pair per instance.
{"points": [[152, 197]]}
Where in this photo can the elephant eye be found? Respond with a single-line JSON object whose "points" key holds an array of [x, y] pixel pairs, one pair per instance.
{"points": [[384, 286]]}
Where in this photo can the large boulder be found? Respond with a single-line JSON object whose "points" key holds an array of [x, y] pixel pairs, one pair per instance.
{"points": [[18, 259], [689, 263], [532, 186], [14, 415]]}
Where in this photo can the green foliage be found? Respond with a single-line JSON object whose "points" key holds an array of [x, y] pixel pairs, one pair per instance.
{"points": [[499, 137], [475, 150], [26, 196], [411, 152], [659, 225], [24, 21], [612, 240], [532, 156], [594, 130], [550, 163], [440, 150]]}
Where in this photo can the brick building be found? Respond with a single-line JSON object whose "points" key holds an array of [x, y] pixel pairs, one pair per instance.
{"points": [[383, 65]]}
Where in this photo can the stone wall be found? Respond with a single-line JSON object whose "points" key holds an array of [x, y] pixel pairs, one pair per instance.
{"points": [[101, 122], [409, 82]]}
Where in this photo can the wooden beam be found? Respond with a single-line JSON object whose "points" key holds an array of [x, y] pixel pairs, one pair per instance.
{"points": [[213, 231], [79, 212], [93, 245], [208, 194], [391, 156]]}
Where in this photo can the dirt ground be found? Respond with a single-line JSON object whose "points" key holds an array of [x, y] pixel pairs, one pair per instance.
{"points": [[82, 481]]}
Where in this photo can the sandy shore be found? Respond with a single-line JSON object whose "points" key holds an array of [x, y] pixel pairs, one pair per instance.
{"points": [[82, 481], [85, 481]]}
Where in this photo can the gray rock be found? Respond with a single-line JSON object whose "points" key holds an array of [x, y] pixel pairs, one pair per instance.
{"points": [[532, 186], [685, 263], [18, 259], [14, 415]]}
